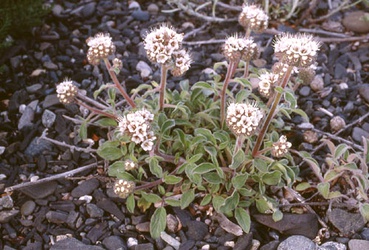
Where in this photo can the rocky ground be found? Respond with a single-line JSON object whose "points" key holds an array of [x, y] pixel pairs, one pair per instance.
{"points": [[81, 212]]}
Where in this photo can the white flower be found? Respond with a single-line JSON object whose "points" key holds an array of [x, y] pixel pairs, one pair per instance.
{"points": [[280, 148], [66, 91], [100, 47], [124, 188], [267, 82], [254, 18], [237, 48]]}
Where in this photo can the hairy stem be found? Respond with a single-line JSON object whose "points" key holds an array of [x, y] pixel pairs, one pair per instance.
{"points": [[92, 101], [117, 84], [163, 84], [246, 69], [239, 142], [230, 71], [271, 113], [94, 110]]}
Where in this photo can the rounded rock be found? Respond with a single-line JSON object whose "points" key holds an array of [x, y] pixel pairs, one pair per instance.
{"points": [[28, 207]]}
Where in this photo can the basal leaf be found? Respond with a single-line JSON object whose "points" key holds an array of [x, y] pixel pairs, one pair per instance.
{"points": [[204, 168], [323, 189], [206, 200], [212, 178], [187, 198], [158, 222], [155, 168], [239, 180], [110, 151], [272, 178], [238, 159], [106, 122], [243, 219], [152, 198], [231, 202], [302, 186], [130, 203]]}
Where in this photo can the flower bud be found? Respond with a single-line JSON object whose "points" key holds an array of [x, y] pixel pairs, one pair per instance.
{"points": [[66, 92], [129, 165], [124, 188], [267, 82]]}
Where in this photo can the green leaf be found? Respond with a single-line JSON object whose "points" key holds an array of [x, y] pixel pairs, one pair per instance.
{"points": [[130, 203], [277, 215], [243, 219], [187, 198], [212, 178], [116, 168], [152, 198], [238, 159], [323, 189], [158, 222], [303, 186], [173, 202], [263, 205], [218, 201], [110, 151], [206, 200], [290, 97], [340, 150], [364, 211], [155, 168], [172, 179], [107, 122], [207, 134], [83, 130], [195, 158], [272, 178], [239, 180], [204, 168], [330, 175], [311, 161], [166, 125], [231, 202]]}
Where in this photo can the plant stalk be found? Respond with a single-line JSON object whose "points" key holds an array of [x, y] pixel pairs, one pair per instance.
{"points": [[163, 84], [230, 71], [96, 111], [271, 113], [117, 84]]}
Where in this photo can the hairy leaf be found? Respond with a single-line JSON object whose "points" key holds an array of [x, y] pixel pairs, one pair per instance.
{"points": [[158, 222], [187, 198], [243, 219]]}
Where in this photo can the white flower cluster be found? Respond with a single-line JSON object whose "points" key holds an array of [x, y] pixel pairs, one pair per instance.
{"points": [[299, 50], [243, 118], [280, 148], [100, 47], [236, 48], [123, 188], [254, 18], [129, 165], [138, 126], [66, 91], [267, 82], [163, 46]]}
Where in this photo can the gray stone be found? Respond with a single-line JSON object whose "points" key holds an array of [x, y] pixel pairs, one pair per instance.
{"points": [[153, 9], [347, 223], [197, 230], [37, 147], [330, 245], [50, 65], [358, 133], [2, 150], [34, 88], [141, 15], [15, 61], [89, 9], [50, 100], [273, 245], [340, 71], [133, 5], [7, 215], [26, 118], [297, 242], [143, 227], [170, 240], [28, 207], [114, 243], [144, 69], [33, 105], [356, 21], [6, 202], [110, 207], [364, 92], [73, 244], [56, 217], [48, 118], [57, 10], [365, 234], [147, 246], [358, 244], [243, 242], [40, 191], [85, 188], [304, 91], [94, 211]]}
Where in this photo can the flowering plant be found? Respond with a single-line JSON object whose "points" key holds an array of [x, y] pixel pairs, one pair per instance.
{"points": [[181, 147]]}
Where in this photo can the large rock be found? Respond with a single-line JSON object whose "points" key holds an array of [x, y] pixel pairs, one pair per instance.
{"points": [[347, 223]]}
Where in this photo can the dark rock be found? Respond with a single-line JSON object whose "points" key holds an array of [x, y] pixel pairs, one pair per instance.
{"points": [[340, 71], [187, 245], [72, 219], [141, 15], [365, 233], [56, 217], [66, 206], [114, 243], [297, 242], [292, 224], [143, 227], [28, 207], [88, 9], [147, 246], [34, 88], [273, 245], [50, 100], [85, 188], [97, 231], [358, 134], [196, 230], [6, 202], [26, 118], [94, 211], [304, 91], [110, 207], [358, 244], [347, 223], [364, 92], [40, 191], [183, 215], [243, 242], [7, 215], [48, 118], [73, 244]]}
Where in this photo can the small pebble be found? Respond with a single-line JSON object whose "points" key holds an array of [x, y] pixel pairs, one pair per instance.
{"points": [[28, 207]]}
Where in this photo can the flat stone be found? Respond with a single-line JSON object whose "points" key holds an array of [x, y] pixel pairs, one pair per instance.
{"points": [[34, 88], [365, 234], [6, 202], [147, 246], [94, 211], [330, 245], [273, 245], [196, 230], [153, 9], [26, 118], [358, 134], [356, 21], [89, 9], [358, 244], [114, 243], [364, 92], [141, 15], [50, 100], [110, 207], [97, 232], [56, 217], [297, 242], [73, 244], [187, 245], [243, 242], [144, 69], [304, 91], [170, 240], [28, 207], [292, 224], [40, 191], [347, 223], [7, 215], [50, 65], [85, 188], [48, 118]]}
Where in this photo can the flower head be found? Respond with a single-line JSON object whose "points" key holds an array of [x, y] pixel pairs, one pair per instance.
{"points": [[280, 148], [243, 118], [124, 188], [138, 126], [299, 50], [236, 48], [66, 91], [129, 165], [254, 18], [182, 62], [267, 82], [161, 43], [100, 47]]}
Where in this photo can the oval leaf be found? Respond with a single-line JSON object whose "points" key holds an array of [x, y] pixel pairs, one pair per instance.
{"points": [[158, 222], [243, 219]]}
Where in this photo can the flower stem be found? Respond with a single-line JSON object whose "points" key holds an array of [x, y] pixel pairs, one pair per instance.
{"points": [[239, 142], [163, 84], [271, 113], [117, 84], [230, 71], [246, 69], [96, 111], [92, 101]]}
